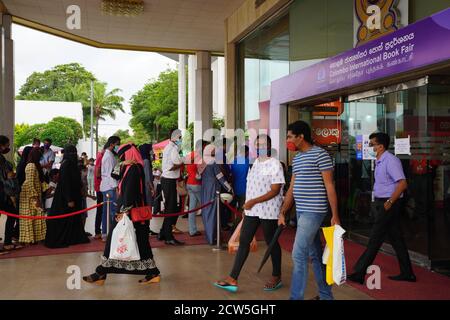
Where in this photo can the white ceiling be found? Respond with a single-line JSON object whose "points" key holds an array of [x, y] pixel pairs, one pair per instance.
{"points": [[177, 24]]}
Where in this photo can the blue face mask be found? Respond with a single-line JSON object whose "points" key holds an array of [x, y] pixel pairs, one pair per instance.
{"points": [[262, 152], [116, 149], [372, 153], [179, 143]]}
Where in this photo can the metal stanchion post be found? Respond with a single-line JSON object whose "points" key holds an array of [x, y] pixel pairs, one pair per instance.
{"points": [[218, 222], [108, 212]]}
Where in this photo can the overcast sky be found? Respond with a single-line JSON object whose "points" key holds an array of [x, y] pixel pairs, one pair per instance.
{"points": [[126, 70]]}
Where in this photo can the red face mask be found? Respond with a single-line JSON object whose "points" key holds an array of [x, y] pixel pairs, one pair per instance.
{"points": [[291, 146]]}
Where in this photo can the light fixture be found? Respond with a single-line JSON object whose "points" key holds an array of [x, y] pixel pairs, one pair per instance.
{"points": [[125, 8]]}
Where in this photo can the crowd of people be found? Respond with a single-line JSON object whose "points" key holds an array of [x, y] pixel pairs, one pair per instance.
{"points": [[124, 176]]}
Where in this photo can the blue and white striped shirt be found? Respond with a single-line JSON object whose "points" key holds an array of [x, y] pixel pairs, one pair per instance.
{"points": [[309, 189]]}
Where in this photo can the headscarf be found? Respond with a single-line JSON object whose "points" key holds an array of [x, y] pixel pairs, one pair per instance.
{"points": [[22, 164], [207, 158], [145, 150], [70, 154], [129, 152]]}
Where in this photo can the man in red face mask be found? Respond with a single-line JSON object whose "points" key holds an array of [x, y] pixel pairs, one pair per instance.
{"points": [[312, 188]]}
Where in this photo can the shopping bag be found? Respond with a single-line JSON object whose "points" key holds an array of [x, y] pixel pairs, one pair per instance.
{"points": [[233, 243], [123, 241], [333, 255]]}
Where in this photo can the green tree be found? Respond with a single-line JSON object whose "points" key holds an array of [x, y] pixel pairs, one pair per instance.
{"points": [[61, 130], [55, 84], [155, 106]]}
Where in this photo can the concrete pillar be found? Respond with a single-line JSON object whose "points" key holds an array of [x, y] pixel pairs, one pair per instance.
{"points": [[203, 97], [7, 79], [231, 89], [192, 66], [182, 93]]}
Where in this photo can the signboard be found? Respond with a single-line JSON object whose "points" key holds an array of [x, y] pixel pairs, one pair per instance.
{"points": [[334, 108], [366, 141], [326, 132], [403, 146], [404, 50], [359, 147]]}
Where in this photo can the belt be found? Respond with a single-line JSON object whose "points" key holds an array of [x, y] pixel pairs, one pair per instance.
{"points": [[382, 199]]}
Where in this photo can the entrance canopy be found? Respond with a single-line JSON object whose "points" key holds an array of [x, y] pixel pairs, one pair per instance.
{"points": [[177, 26]]}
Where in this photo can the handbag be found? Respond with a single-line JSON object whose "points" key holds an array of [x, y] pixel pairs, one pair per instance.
{"points": [[141, 214]]}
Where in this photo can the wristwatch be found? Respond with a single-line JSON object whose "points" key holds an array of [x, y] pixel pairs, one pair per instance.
{"points": [[390, 201]]}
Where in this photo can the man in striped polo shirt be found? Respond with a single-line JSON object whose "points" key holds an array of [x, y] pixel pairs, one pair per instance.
{"points": [[312, 188]]}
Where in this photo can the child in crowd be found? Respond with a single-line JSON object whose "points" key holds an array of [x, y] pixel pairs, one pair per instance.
{"points": [[50, 193], [90, 177]]}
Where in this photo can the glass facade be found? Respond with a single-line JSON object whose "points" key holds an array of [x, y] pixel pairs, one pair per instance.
{"points": [[312, 30]]}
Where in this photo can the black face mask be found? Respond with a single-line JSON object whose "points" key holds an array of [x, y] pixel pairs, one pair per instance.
{"points": [[5, 151]]}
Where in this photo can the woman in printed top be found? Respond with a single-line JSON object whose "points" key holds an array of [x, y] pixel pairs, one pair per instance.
{"points": [[264, 198], [131, 195]]}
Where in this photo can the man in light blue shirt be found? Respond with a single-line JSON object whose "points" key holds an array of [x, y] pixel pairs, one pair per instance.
{"points": [[390, 183]]}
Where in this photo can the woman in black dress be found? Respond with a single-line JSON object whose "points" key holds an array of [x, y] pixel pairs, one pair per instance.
{"points": [[131, 194], [64, 232]]}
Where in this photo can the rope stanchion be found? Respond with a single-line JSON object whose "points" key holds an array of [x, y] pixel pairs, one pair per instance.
{"points": [[50, 217]]}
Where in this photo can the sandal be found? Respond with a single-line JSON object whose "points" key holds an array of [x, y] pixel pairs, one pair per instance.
{"points": [[3, 252], [153, 278], [272, 286], [10, 247], [95, 278], [226, 286]]}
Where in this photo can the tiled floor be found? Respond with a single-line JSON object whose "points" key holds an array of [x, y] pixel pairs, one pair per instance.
{"points": [[187, 273]]}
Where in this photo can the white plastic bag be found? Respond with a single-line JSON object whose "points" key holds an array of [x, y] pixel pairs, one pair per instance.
{"points": [[123, 241], [336, 268]]}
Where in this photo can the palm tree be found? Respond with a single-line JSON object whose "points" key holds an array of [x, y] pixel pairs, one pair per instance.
{"points": [[105, 103]]}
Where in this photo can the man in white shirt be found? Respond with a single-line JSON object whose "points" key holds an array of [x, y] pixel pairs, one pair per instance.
{"points": [[48, 157], [108, 184], [171, 165]]}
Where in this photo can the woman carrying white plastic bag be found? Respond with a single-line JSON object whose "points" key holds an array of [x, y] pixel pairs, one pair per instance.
{"points": [[128, 250], [123, 242]]}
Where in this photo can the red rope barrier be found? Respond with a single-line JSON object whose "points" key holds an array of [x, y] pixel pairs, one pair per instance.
{"points": [[50, 217], [183, 212], [233, 209]]}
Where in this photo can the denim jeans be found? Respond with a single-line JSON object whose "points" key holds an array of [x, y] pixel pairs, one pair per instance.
{"points": [[307, 245], [112, 211], [195, 194]]}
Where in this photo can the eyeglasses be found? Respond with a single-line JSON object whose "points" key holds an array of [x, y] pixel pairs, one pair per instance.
{"points": [[373, 144]]}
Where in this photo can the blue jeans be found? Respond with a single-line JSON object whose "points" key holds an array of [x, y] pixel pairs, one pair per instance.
{"points": [[112, 211], [307, 245], [195, 194]]}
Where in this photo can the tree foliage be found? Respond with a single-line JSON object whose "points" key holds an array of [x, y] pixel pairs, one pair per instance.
{"points": [[155, 107], [61, 130], [54, 84], [72, 83]]}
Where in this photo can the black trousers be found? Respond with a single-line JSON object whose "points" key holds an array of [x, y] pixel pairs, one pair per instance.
{"points": [[12, 224], [98, 215], [157, 200], [171, 205], [248, 231], [386, 225]]}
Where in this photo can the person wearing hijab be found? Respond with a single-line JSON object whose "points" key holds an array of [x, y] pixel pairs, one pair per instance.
{"points": [[131, 195], [68, 231], [212, 181], [32, 231]]}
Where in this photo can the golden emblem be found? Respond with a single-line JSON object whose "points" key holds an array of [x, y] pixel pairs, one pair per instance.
{"points": [[376, 17]]}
